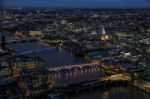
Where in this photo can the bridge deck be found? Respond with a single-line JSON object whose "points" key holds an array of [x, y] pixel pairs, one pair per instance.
{"points": [[60, 68]]}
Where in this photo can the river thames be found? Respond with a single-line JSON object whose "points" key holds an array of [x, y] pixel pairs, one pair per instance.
{"points": [[52, 55], [58, 57]]}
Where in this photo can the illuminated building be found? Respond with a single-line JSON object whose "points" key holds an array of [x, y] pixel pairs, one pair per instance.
{"points": [[8, 85], [104, 36], [18, 34], [35, 33], [5, 73], [36, 81], [93, 32], [17, 63]]}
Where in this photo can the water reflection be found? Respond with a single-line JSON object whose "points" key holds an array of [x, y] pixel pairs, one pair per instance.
{"points": [[105, 95], [115, 92], [76, 76]]}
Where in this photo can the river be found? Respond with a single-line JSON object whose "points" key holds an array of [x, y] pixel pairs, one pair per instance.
{"points": [[52, 55], [58, 57], [114, 92]]}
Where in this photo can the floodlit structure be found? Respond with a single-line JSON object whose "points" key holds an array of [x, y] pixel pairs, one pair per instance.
{"points": [[36, 33], [103, 35]]}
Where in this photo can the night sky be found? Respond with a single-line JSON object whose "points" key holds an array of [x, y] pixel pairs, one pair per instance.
{"points": [[78, 3]]}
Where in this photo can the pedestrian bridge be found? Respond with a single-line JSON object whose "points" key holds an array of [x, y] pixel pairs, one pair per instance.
{"points": [[111, 70], [70, 67], [37, 50], [78, 70]]}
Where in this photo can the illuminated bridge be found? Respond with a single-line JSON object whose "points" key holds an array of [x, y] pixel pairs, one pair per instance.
{"points": [[72, 67], [89, 71], [38, 50], [87, 75], [108, 69]]}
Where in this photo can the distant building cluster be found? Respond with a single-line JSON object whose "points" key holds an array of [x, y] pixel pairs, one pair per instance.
{"points": [[114, 37], [22, 76]]}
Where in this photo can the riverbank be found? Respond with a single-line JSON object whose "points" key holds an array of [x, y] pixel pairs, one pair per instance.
{"points": [[70, 46], [88, 87], [141, 86]]}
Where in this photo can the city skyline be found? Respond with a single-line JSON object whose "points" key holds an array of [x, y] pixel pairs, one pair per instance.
{"points": [[74, 49], [78, 3]]}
